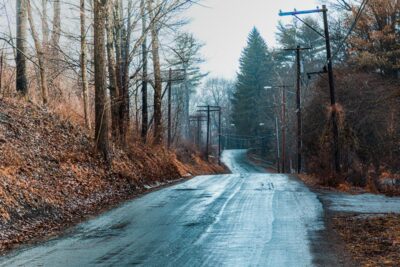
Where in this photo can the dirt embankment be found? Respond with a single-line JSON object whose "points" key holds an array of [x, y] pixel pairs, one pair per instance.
{"points": [[372, 240], [50, 177]]}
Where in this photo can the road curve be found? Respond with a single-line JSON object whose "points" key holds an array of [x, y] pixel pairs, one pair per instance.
{"points": [[247, 218]]}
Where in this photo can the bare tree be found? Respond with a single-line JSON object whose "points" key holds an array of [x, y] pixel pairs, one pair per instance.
{"points": [[56, 32], [158, 132], [54, 45], [145, 115], [102, 143], [45, 28], [125, 49], [112, 74], [21, 80], [40, 54], [83, 57]]}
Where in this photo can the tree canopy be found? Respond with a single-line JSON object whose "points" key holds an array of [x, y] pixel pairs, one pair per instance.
{"points": [[249, 100]]}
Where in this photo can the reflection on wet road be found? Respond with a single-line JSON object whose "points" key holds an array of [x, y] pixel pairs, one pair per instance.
{"points": [[247, 218]]}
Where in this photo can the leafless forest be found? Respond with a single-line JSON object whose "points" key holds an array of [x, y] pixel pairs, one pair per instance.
{"points": [[103, 100]]}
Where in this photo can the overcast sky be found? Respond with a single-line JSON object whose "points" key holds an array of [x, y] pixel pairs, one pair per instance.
{"points": [[223, 25]]}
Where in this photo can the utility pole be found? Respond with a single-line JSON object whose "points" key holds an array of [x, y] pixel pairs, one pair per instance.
{"points": [[335, 130], [298, 102], [283, 129], [219, 136], [1, 70], [298, 50], [208, 132], [169, 109], [166, 91], [277, 145], [198, 132], [210, 109], [198, 119], [283, 120]]}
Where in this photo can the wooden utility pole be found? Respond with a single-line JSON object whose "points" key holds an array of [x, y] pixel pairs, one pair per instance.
{"points": [[167, 90], [208, 109], [283, 126], [335, 131], [277, 145], [208, 132], [298, 50], [199, 131], [1, 71], [219, 135], [283, 129], [198, 119], [169, 108], [298, 102]]}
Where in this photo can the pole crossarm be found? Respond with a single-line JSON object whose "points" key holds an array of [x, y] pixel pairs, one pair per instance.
{"points": [[218, 108], [295, 14], [211, 110], [208, 109], [323, 71], [302, 12]]}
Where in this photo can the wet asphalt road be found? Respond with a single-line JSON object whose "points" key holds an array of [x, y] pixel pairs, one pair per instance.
{"points": [[247, 218]]}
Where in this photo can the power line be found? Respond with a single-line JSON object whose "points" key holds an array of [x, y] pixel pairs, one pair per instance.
{"points": [[357, 18]]}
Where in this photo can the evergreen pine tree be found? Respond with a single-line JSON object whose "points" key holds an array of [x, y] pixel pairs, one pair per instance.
{"points": [[250, 99]]}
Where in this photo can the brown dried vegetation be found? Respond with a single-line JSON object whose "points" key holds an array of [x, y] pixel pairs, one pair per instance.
{"points": [[50, 175], [372, 240], [369, 130]]}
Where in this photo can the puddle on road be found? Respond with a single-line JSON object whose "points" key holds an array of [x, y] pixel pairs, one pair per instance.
{"points": [[187, 189]]}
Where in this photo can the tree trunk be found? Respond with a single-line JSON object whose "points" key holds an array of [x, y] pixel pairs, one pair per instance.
{"points": [[100, 12], [112, 74], [145, 115], [119, 64], [55, 37], [55, 44], [85, 85], [22, 23], [158, 131], [125, 74], [45, 27], [40, 55]]}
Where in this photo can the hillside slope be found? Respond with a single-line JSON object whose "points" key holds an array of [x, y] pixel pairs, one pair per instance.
{"points": [[50, 176]]}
